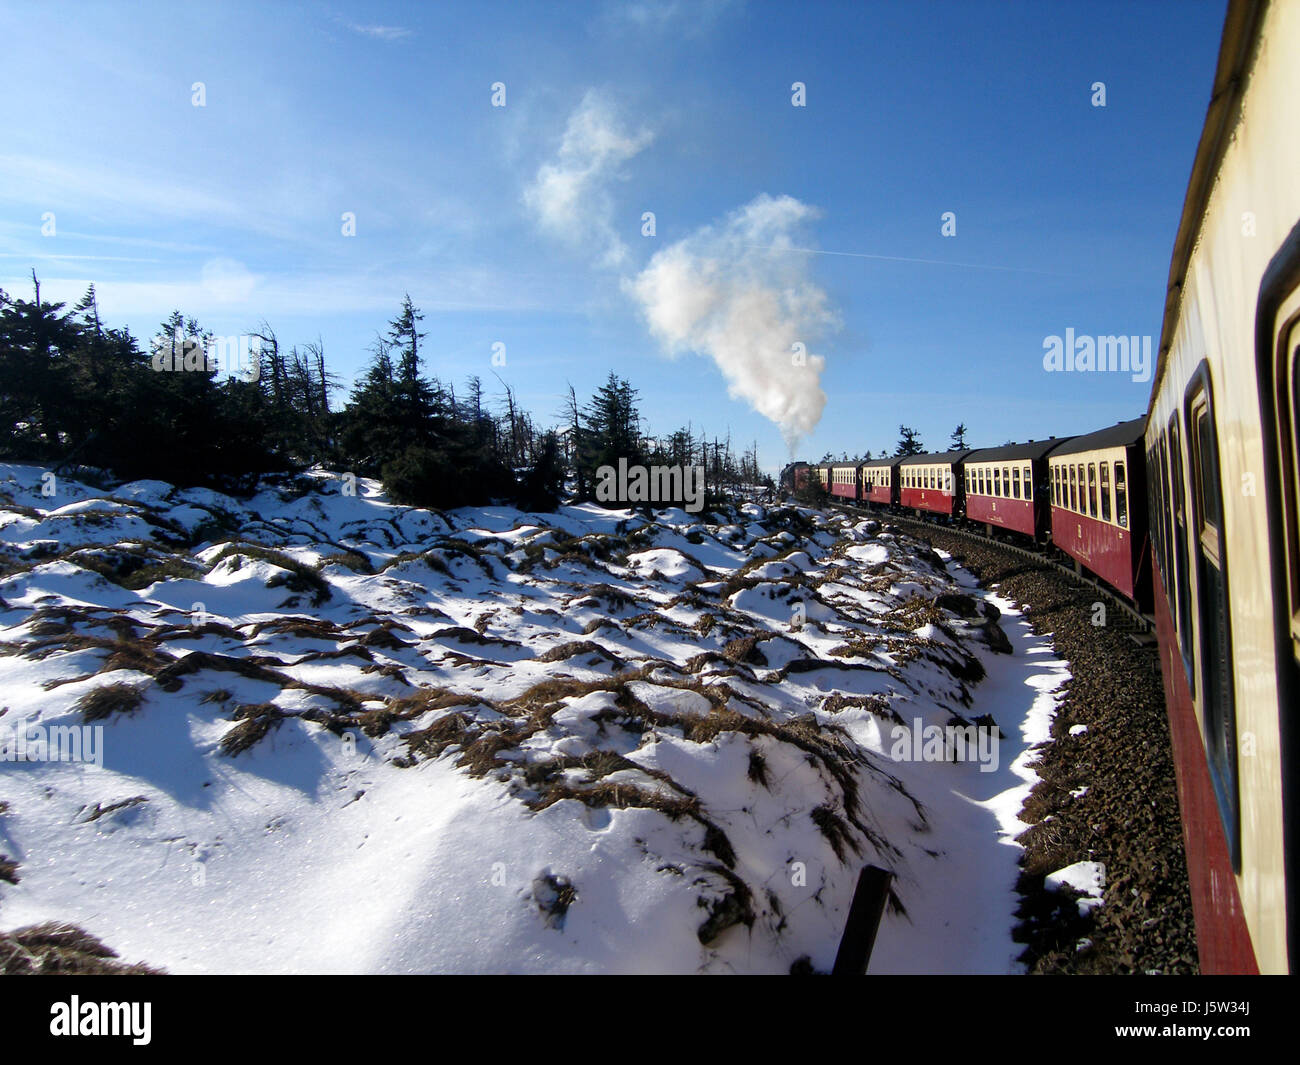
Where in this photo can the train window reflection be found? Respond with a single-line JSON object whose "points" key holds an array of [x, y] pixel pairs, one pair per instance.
{"points": [[1218, 715]]}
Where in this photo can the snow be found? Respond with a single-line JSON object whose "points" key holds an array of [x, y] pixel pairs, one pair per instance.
{"points": [[686, 733], [1087, 878]]}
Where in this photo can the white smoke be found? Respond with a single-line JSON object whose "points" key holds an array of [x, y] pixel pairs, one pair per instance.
{"points": [[738, 293], [570, 196]]}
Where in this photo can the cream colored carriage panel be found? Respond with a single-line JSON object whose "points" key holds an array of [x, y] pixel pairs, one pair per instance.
{"points": [[1254, 204]]}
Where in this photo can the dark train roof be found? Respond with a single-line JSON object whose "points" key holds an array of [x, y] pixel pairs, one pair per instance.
{"points": [[1124, 434], [842, 465], [1033, 449], [884, 460], [937, 458]]}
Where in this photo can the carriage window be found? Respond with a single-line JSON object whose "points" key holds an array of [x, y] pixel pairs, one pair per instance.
{"points": [[1029, 482], [1092, 489], [1218, 712], [1074, 488], [1121, 496], [1153, 509], [1178, 527], [984, 487], [1056, 486], [1166, 518], [1105, 490], [1015, 482]]}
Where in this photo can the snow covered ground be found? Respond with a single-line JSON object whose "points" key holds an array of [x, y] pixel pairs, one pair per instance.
{"points": [[340, 735]]}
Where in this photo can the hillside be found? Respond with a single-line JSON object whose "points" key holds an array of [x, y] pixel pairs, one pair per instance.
{"points": [[340, 735]]}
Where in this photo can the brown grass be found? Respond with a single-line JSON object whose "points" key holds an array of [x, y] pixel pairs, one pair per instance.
{"points": [[57, 948], [255, 721], [109, 699]]}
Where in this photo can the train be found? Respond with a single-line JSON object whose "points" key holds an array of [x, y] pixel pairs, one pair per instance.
{"points": [[1191, 512]]}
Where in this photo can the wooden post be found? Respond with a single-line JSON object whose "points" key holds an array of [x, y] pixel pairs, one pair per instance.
{"points": [[864, 920]]}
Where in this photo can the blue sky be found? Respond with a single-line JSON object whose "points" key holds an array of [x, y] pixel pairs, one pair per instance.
{"points": [[522, 225]]}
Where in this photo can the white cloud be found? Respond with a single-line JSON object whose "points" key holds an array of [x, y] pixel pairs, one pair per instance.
{"points": [[662, 17], [228, 281], [570, 196], [737, 293], [30, 179], [379, 33], [224, 287]]}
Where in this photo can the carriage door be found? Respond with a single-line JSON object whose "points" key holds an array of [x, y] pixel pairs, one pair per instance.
{"points": [[1283, 381], [1218, 715], [1286, 411]]}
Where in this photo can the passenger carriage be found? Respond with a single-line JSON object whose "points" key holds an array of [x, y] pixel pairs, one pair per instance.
{"points": [[880, 481], [1222, 442], [933, 483], [1094, 481], [824, 476], [1007, 487], [844, 482]]}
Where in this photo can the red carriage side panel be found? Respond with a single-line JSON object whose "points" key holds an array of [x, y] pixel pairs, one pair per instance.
{"points": [[1222, 937], [1016, 514], [931, 499], [1101, 548]]}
